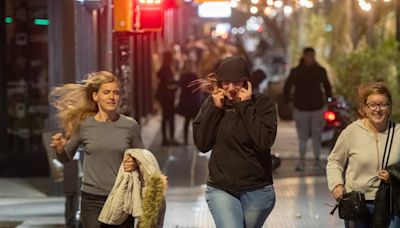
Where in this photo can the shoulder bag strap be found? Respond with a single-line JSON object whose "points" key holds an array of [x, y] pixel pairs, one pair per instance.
{"points": [[386, 152], [392, 126], [389, 141]]}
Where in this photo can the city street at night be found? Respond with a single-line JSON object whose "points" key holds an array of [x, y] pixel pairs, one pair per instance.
{"points": [[211, 88], [303, 198]]}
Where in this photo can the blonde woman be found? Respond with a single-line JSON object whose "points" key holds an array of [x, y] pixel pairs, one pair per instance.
{"points": [[89, 117], [356, 161]]}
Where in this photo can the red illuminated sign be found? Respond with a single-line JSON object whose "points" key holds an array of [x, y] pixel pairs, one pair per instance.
{"points": [[140, 16], [150, 2]]}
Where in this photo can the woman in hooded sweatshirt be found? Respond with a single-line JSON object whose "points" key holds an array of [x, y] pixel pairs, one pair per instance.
{"points": [[361, 146], [240, 128]]}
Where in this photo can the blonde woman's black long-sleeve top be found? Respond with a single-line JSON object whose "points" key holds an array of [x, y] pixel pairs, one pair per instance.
{"points": [[240, 139]]}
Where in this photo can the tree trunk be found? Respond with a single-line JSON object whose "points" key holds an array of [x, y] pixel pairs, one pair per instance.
{"points": [[342, 21]]}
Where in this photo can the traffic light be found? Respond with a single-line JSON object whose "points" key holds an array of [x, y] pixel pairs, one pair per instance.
{"points": [[149, 15], [138, 15]]}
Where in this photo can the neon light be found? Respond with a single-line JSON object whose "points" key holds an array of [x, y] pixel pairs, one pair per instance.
{"points": [[150, 2], [41, 22], [8, 20], [215, 10]]}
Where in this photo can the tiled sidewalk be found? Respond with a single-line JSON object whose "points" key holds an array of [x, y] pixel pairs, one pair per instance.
{"points": [[301, 199], [301, 203]]}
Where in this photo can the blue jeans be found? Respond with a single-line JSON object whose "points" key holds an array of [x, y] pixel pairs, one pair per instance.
{"points": [[395, 222], [247, 209]]}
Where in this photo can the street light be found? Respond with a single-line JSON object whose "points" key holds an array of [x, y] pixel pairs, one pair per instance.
{"points": [[278, 4], [306, 3], [366, 5], [287, 10], [253, 9]]}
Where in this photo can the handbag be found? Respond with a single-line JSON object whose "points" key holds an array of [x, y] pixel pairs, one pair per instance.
{"points": [[382, 205], [383, 201], [352, 206]]}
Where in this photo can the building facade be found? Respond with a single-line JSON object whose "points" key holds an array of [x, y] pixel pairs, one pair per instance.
{"points": [[48, 43]]}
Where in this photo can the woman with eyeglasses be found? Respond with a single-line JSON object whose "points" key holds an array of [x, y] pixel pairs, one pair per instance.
{"points": [[356, 161], [240, 128]]}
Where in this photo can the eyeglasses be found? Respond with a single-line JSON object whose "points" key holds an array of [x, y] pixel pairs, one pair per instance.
{"points": [[374, 106], [225, 84]]}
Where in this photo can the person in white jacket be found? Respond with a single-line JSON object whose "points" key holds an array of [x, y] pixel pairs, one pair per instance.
{"points": [[361, 146]]}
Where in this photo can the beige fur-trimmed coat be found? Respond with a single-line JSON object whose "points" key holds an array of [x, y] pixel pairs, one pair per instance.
{"points": [[140, 193]]}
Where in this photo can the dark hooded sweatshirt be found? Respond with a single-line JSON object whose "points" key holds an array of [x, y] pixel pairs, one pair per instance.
{"points": [[240, 138], [311, 87]]}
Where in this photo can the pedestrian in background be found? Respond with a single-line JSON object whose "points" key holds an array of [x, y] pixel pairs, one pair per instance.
{"points": [[257, 78], [240, 128], [166, 92], [311, 93], [88, 115], [356, 161], [189, 100]]}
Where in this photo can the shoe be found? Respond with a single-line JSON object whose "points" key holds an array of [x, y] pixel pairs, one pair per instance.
{"points": [[300, 166]]}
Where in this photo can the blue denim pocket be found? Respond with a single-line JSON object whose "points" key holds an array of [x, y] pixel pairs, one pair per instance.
{"points": [[260, 198]]}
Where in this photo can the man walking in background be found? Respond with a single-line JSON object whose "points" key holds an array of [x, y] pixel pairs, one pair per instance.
{"points": [[311, 90]]}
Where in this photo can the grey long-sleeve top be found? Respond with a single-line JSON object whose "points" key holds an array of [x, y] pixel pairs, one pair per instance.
{"points": [[104, 144]]}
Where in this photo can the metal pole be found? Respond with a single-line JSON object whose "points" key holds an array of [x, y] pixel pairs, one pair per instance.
{"points": [[398, 37], [398, 21], [3, 80]]}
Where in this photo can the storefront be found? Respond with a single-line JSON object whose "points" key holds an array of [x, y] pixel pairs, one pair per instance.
{"points": [[25, 80], [48, 43]]}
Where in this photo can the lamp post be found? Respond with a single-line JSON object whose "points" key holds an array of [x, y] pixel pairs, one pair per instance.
{"points": [[398, 21], [398, 36], [3, 116]]}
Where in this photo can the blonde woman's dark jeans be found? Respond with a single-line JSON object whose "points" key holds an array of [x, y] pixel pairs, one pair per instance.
{"points": [[91, 206]]}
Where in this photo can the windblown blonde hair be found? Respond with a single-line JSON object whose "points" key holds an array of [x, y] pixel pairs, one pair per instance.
{"points": [[74, 101]]}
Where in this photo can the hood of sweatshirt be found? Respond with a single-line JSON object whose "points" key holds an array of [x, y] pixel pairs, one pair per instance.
{"points": [[233, 68], [360, 124]]}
